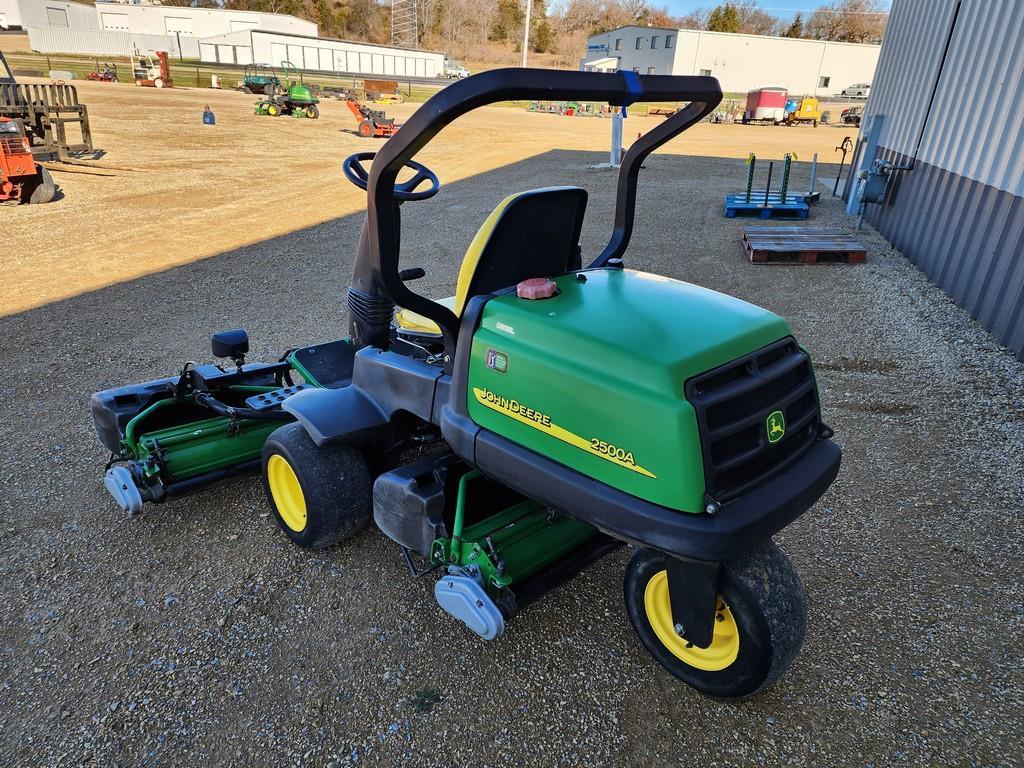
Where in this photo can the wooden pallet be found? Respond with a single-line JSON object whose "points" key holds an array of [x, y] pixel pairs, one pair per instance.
{"points": [[774, 207], [802, 245]]}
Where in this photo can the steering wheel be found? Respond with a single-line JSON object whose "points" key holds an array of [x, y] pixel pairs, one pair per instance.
{"points": [[404, 191]]}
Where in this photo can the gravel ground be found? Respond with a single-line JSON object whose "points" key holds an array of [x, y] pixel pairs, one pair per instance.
{"points": [[196, 634]]}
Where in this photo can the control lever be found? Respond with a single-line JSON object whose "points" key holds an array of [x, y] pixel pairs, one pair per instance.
{"points": [[415, 273]]}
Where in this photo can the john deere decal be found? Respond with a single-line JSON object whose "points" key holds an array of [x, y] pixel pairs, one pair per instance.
{"points": [[775, 426], [542, 422]]}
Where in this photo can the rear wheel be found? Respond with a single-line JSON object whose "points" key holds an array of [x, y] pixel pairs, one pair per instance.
{"points": [[158, 83], [759, 621], [273, 110], [312, 112], [270, 89], [365, 129], [319, 495], [246, 89]]}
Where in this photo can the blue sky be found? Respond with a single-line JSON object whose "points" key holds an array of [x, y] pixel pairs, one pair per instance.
{"points": [[785, 8]]}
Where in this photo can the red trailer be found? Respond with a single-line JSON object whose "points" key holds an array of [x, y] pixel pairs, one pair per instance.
{"points": [[766, 105]]}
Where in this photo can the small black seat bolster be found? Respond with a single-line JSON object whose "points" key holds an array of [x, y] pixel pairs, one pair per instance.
{"points": [[537, 235]]}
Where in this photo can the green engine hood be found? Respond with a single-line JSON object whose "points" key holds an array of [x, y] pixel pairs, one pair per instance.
{"points": [[594, 377]]}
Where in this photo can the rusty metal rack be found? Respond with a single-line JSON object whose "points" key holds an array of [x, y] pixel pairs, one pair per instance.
{"points": [[46, 112]]}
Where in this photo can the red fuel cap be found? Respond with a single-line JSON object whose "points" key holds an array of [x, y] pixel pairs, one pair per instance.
{"points": [[536, 288]]}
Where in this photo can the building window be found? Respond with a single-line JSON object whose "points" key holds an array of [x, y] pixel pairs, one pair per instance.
{"points": [[654, 42], [639, 43], [705, 73], [668, 40], [618, 43], [650, 70], [824, 81], [637, 70]]}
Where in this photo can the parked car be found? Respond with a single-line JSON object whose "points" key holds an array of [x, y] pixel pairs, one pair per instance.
{"points": [[857, 90], [456, 72], [852, 115]]}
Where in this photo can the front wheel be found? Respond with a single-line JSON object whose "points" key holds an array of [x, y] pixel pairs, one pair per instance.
{"points": [[312, 112], [320, 495], [44, 189], [759, 621]]}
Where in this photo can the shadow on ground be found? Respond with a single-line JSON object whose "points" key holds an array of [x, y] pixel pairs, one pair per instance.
{"points": [[197, 633]]}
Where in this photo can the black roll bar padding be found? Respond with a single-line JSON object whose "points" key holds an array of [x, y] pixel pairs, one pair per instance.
{"points": [[615, 88]]}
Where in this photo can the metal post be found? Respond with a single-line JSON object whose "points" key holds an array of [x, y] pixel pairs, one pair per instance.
{"points": [[768, 186], [752, 160], [526, 33], [814, 173], [616, 153], [784, 187]]}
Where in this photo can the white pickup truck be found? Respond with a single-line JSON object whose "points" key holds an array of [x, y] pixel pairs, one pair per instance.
{"points": [[455, 72]]}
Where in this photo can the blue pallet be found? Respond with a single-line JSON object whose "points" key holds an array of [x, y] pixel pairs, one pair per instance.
{"points": [[775, 207]]}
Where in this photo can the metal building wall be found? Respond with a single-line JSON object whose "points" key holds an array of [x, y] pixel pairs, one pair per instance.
{"points": [[959, 214]]}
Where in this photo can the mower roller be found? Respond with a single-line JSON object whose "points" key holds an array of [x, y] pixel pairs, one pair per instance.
{"points": [[510, 435]]}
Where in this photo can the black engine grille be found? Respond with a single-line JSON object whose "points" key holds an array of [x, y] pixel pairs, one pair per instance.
{"points": [[733, 403]]}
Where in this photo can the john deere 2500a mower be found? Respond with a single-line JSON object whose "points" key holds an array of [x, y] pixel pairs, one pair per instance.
{"points": [[554, 411], [296, 99]]}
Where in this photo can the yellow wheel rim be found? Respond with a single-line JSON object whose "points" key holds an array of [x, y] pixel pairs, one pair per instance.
{"points": [[725, 643], [287, 493]]}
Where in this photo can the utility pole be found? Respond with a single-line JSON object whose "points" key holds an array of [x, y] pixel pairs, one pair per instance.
{"points": [[526, 30]]}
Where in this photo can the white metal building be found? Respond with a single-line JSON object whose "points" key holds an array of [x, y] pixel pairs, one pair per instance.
{"points": [[942, 108], [740, 62], [46, 13], [194, 22], [322, 54]]}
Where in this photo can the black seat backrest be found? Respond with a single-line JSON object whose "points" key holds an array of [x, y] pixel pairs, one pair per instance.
{"points": [[536, 235]]}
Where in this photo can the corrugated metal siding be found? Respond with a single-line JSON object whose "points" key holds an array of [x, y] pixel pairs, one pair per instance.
{"points": [[959, 214], [977, 129], [93, 41], [911, 53]]}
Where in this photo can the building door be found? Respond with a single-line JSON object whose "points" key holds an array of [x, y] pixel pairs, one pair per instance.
{"points": [[57, 17]]}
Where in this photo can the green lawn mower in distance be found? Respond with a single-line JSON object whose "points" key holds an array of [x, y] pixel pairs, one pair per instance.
{"points": [[510, 435], [297, 98]]}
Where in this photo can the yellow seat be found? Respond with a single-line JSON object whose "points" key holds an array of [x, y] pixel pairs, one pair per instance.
{"points": [[557, 230]]}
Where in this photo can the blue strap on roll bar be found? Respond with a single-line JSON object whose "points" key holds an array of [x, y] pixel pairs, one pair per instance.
{"points": [[633, 86]]}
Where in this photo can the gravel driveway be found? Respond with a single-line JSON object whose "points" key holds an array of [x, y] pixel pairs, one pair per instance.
{"points": [[197, 635]]}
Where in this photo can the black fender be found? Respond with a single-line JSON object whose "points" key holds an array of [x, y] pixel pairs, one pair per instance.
{"points": [[384, 384]]}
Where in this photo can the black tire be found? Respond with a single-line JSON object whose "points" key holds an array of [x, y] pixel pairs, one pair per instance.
{"points": [[44, 190], [335, 483], [762, 595], [246, 89], [270, 89], [312, 112]]}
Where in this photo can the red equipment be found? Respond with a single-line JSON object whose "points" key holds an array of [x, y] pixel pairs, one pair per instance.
{"points": [[106, 74], [372, 122], [766, 105], [153, 73], [20, 178]]}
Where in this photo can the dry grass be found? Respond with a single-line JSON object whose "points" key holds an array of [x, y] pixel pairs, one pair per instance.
{"points": [[171, 190]]}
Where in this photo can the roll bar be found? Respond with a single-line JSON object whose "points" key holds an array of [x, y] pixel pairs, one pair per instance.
{"points": [[616, 88]]}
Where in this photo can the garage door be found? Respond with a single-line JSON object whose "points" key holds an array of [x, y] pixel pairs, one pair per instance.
{"points": [[278, 53], [243, 54], [207, 52], [115, 22], [226, 54], [56, 17], [311, 59], [177, 25]]}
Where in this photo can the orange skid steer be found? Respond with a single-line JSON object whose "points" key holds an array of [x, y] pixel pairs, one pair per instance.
{"points": [[21, 179]]}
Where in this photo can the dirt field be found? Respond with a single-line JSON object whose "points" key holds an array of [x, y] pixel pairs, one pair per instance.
{"points": [[196, 634], [170, 190]]}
